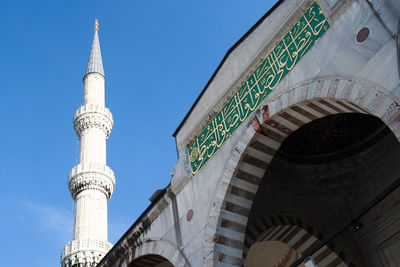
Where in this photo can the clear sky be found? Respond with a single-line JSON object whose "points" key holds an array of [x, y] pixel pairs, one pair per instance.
{"points": [[157, 56]]}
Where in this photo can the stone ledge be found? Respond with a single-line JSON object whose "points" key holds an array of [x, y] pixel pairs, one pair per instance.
{"points": [[93, 108]]}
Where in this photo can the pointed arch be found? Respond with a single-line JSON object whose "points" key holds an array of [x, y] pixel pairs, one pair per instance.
{"points": [[296, 233], [159, 247], [280, 116]]}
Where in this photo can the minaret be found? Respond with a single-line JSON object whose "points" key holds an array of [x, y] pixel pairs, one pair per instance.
{"points": [[91, 182]]}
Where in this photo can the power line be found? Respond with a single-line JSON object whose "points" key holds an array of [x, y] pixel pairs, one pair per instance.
{"points": [[142, 138]]}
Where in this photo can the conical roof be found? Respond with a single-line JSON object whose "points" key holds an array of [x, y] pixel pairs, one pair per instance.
{"points": [[95, 63]]}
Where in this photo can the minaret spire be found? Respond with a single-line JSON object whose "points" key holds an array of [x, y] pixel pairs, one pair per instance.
{"points": [[91, 182], [95, 63], [96, 25]]}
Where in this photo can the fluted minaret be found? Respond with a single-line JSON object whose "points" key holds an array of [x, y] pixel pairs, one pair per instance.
{"points": [[91, 182]]}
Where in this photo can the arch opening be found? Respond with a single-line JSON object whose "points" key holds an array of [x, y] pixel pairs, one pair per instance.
{"points": [[151, 260], [271, 253], [322, 174]]}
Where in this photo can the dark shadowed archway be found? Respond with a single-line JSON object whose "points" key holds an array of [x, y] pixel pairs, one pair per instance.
{"points": [[151, 260]]}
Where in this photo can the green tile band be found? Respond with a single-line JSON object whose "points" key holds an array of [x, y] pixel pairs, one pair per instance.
{"points": [[296, 43]]}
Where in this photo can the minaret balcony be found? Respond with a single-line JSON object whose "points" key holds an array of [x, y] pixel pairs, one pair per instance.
{"points": [[93, 116], [84, 251], [94, 176]]}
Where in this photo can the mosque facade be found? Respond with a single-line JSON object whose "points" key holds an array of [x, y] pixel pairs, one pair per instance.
{"points": [[288, 157]]}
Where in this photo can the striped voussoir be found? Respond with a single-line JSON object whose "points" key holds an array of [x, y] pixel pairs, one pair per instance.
{"points": [[284, 114], [244, 184], [298, 235]]}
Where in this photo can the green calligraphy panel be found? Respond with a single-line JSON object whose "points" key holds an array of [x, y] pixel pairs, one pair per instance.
{"points": [[278, 63]]}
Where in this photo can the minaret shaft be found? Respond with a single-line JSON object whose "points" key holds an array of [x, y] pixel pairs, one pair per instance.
{"points": [[91, 216], [91, 204], [93, 146], [91, 182], [94, 84]]}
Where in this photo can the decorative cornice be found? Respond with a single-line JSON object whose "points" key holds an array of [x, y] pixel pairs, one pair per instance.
{"points": [[93, 116], [91, 176], [87, 252]]}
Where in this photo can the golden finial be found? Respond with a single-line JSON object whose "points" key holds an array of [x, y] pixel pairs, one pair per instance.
{"points": [[96, 25]]}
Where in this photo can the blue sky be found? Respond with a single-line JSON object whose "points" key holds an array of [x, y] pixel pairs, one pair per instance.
{"points": [[157, 56]]}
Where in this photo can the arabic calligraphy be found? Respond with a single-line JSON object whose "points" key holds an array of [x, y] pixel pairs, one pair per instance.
{"points": [[278, 63]]}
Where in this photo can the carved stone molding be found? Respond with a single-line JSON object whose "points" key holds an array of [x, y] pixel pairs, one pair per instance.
{"points": [[84, 252], [91, 176], [93, 116]]}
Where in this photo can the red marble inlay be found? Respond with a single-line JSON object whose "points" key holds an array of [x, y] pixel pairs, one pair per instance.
{"points": [[362, 35], [256, 125], [189, 215]]}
